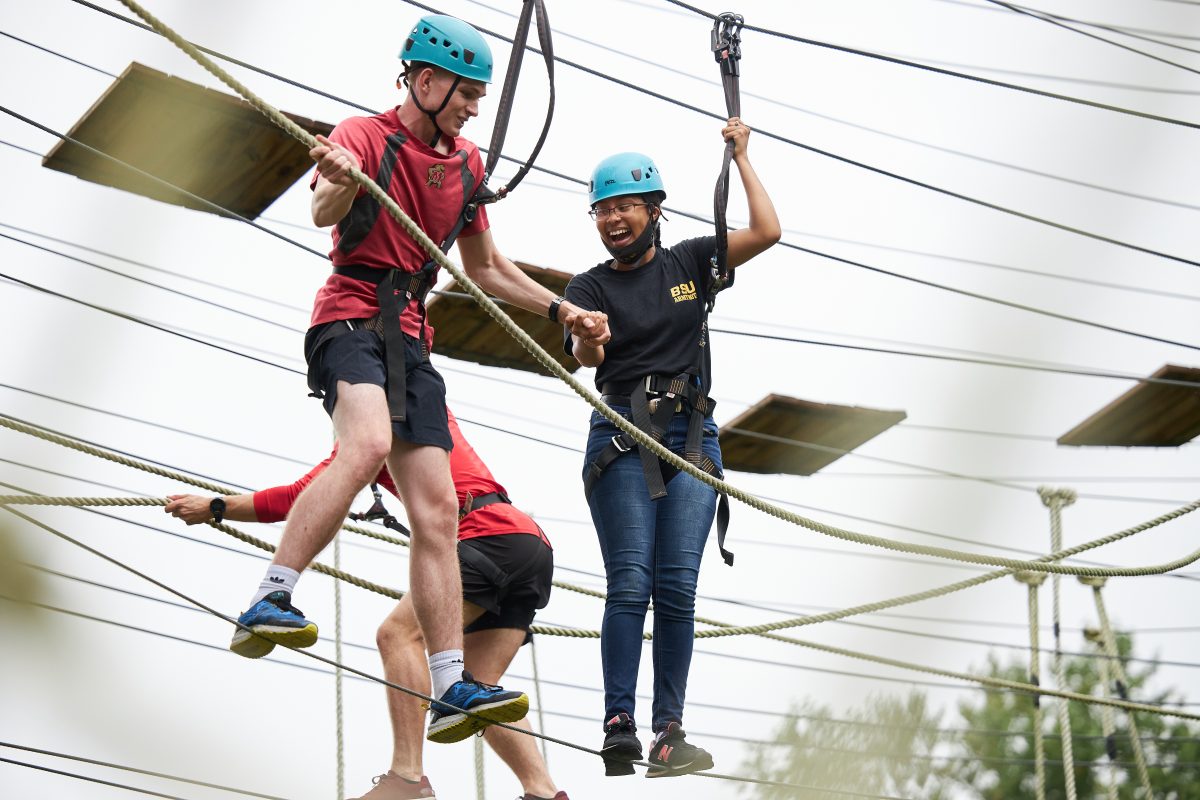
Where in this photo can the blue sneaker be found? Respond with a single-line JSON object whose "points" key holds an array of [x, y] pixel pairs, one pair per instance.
{"points": [[488, 704], [272, 620]]}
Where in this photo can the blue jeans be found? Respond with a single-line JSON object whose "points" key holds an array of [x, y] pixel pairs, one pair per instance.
{"points": [[651, 550]]}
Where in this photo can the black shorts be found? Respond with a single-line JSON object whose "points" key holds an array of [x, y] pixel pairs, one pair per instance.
{"points": [[508, 576], [356, 355]]}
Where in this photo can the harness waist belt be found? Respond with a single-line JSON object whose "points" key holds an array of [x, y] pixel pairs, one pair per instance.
{"points": [[475, 503], [394, 289]]}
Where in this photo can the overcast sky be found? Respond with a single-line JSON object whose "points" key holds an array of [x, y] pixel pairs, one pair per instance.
{"points": [[90, 689]]}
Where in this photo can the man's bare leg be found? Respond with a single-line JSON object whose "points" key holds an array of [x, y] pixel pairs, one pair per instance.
{"points": [[364, 439], [361, 417], [402, 649], [422, 477], [489, 652]]}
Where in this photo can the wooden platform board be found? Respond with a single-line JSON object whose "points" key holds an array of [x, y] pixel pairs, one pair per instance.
{"points": [[213, 144], [797, 437], [465, 331], [1148, 415]]}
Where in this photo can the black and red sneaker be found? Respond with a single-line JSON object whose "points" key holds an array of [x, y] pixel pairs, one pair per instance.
{"points": [[621, 746], [671, 755]]}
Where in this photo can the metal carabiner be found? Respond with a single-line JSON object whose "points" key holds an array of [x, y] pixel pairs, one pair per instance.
{"points": [[727, 41]]}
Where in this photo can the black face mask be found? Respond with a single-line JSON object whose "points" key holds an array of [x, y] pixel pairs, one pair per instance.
{"points": [[630, 253]]}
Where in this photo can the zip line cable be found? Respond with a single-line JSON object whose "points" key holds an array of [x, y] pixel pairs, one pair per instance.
{"points": [[161, 270], [1133, 33], [144, 282], [1028, 12], [1127, 30], [844, 159], [944, 72], [55, 53], [149, 773], [810, 251], [90, 780]]}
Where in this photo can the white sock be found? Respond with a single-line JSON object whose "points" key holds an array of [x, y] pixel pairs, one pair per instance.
{"points": [[446, 669], [277, 578]]}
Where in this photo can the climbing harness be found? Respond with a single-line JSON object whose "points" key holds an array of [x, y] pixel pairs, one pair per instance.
{"points": [[378, 513], [453, 45], [652, 402], [727, 50]]}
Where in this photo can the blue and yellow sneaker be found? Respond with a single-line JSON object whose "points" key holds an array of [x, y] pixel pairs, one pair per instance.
{"points": [[489, 703], [670, 755], [272, 620]]}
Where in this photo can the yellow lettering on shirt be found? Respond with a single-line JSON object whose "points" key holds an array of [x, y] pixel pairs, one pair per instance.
{"points": [[684, 292]]}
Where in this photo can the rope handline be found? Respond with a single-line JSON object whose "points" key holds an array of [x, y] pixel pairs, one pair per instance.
{"points": [[723, 627], [1038, 565], [90, 779], [367, 676], [14, 424]]}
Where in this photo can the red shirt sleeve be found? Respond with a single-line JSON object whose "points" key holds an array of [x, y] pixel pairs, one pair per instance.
{"points": [[273, 505]]}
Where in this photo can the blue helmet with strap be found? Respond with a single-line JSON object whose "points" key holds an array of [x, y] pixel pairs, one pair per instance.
{"points": [[626, 173], [451, 44]]}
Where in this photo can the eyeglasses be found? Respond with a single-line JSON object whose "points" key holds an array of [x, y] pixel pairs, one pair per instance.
{"points": [[623, 209]]}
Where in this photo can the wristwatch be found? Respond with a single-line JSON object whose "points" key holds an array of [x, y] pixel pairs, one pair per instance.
{"points": [[217, 509], [554, 304]]}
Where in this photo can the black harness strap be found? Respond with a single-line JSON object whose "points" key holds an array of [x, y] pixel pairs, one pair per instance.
{"points": [[379, 513], [727, 50], [473, 503]]}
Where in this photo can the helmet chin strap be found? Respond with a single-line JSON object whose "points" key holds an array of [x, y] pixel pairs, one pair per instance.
{"points": [[438, 133], [632, 252]]}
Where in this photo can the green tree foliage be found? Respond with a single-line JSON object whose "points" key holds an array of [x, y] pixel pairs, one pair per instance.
{"points": [[886, 747], [891, 746], [1001, 740]]}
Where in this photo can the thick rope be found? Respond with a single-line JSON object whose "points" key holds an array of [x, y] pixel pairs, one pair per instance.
{"points": [[1055, 499], [1110, 647], [338, 672], [480, 793], [557, 370], [1107, 726], [999, 683], [537, 691], [1033, 581]]}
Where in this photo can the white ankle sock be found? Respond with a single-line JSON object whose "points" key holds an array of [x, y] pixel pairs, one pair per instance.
{"points": [[446, 669], [277, 578]]}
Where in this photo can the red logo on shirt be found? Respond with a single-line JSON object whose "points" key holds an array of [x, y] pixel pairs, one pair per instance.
{"points": [[436, 173]]}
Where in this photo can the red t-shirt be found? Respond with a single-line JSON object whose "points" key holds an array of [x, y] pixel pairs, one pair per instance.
{"points": [[467, 470], [430, 187]]}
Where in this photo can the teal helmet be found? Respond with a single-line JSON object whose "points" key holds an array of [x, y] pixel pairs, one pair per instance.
{"points": [[626, 173], [451, 44]]}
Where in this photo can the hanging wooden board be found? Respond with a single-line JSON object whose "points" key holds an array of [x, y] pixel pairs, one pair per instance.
{"points": [[1148, 415]]}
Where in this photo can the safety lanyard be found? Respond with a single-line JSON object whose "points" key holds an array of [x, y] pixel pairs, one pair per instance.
{"points": [[727, 50], [482, 195]]}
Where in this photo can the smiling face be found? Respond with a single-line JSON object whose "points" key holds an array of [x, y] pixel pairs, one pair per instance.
{"points": [[620, 220], [431, 84]]}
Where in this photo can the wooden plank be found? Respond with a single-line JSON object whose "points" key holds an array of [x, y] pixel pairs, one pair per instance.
{"points": [[210, 143], [1148, 415], [798, 437], [463, 330]]}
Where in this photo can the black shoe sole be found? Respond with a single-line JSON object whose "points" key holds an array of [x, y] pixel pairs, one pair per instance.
{"points": [[698, 765]]}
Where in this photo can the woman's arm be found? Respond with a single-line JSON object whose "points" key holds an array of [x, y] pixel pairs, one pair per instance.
{"points": [[764, 231]]}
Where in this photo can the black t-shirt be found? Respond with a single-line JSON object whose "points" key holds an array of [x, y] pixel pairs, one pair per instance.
{"points": [[655, 313]]}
